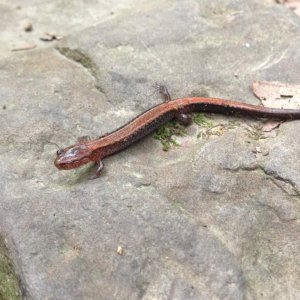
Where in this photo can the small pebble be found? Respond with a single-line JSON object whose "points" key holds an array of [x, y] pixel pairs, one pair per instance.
{"points": [[120, 250], [28, 27]]}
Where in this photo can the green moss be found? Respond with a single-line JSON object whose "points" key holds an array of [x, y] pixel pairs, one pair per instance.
{"points": [[9, 283], [166, 133], [201, 120]]}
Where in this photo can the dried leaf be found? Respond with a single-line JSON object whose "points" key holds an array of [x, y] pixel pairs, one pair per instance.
{"points": [[277, 94], [257, 150], [295, 6], [292, 4], [48, 37], [24, 47], [270, 125]]}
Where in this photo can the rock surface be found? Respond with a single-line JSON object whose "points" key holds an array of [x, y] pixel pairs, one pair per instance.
{"points": [[211, 219]]}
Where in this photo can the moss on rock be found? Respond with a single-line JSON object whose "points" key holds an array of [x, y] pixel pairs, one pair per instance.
{"points": [[9, 282]]}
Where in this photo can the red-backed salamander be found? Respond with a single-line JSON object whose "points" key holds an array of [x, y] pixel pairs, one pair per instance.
{"points": [[147, 122]]}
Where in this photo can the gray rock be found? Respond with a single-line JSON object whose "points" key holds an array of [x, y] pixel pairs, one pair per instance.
{"points": [[211, 219]]}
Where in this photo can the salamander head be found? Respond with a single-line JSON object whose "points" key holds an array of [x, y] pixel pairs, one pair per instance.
{"points": [[72, 157]]}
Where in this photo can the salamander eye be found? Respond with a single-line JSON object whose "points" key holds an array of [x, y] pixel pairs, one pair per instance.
{"points": [[60, 151]]}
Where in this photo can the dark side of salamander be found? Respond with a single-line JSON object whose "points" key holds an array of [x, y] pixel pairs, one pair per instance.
{"points": [[147, 122]]}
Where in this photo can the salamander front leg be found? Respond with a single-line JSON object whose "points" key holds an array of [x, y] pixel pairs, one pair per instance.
{"points": [[100, 166], [84, 139]]}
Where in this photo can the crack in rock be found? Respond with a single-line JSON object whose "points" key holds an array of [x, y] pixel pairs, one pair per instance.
{"points": [[276, 212], [85, 61], [80, 58], [285, 184]]}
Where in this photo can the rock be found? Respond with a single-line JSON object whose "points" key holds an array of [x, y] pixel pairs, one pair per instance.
{"points": [[210, 219], [28, 26]]}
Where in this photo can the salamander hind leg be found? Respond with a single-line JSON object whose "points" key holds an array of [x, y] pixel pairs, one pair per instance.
{"points": [[162, 89], [183, 118]]}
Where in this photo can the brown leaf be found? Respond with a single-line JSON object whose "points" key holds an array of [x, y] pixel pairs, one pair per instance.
{"points": [[48, 37], [295, 6], [24, 47], [270, 125], [292, 4], [277, 94]]}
